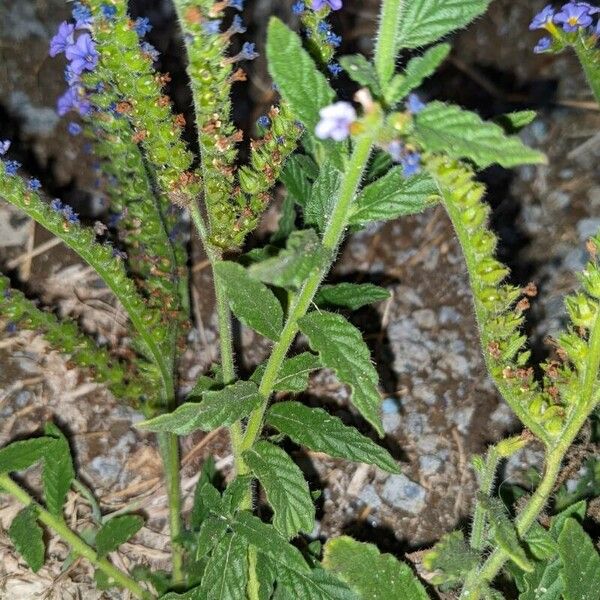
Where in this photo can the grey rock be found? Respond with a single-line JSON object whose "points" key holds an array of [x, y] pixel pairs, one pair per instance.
{"points": [[368, 495], [391, 422], [587, 228], [400, 492], [425, 318], [429, 464]]}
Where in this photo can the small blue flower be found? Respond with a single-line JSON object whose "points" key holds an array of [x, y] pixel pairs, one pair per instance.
{"points": [[237, 4], [212, 27], [336, 120], [108, 11], [34, 184], [11, 167], [298, 7], [70, 216], [414, 104], [333, 4], [237, 25], [280, 140], [543, 45], [83, 54], [74, 99], [4, 146], [410, 160], [248, 51], [56, 205], [74, 128], [333, 39], [335, 69], [150, 50], [142, 26], [263, 121], [63, 39], [573, 16], [545, 16], [323, 27], [11, 327], [82, 16]]}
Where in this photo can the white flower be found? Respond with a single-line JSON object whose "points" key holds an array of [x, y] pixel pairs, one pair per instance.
{"points": [[335, 122]]}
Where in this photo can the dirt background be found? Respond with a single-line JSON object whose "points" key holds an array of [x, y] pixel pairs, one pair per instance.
{"points": [[439, 407]]}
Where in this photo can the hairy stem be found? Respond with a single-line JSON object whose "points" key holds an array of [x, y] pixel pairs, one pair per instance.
{"points": [[486, 483], [169, 451], [387, 39], [78, 546], [589, 57], [331, 239]]}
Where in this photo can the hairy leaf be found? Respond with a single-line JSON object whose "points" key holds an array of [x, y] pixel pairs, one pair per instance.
{"points": [[294, 372], [302, 255], [286, 489], [515, 121], [581, 563], [211, 532], [463, 134], [575, 511], [374, 576], [284, 48], [298, 175], [253, 303], [19, 456], [425, 21], [351, 295], [342, 348], [322, 432], [226, 573], [541, 544], [417, 70], [323, 195], [27, 536], [58, 473], [217, 409], [544, 582], [200, 509], [315, 585], [450, 559], [117, 531], [393, 196], [362, 71]]}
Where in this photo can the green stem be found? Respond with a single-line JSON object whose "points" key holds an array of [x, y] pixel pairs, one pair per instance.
{"points": [[77, 545], [487, 481], [331, 239], [589, 57], [169, 450], [387, 39]]}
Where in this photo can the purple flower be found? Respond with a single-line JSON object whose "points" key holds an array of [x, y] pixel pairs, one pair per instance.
{"points": [[74, 128], [574, 15], [212, 27], [237, 25], [410, 160], [34, 184], [56, 205], [74, 99], [150, 50], [248, 51], [71, 77], [11, 167], [4, 146], [335, 69], [83, 54], [543, 45], [333, 4], [298, 7], [142, 26], [63, 39], [335, 122], [333, 39], [414, 104], [545, 16], [70, 216], [82, 16], [108, 11], [263, 121], [11, 327]]}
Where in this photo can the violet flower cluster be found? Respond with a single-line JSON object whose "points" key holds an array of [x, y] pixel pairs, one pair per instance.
{"points": [[572, 17]]}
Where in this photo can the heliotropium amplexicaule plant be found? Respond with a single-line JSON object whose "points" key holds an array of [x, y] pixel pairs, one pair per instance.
{"points": [[343, 166]]}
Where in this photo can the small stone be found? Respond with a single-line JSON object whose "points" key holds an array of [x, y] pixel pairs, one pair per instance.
{"points": [[400, 492], [425, 318], [369, 496], [429, 464], [391, 422]]}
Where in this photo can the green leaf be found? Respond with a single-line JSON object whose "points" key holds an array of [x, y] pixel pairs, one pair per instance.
{"points": [[417, 70], [544, 582], [28, 538], [294, 372], [200, 509], [323, 195], [541, 544], [374, 576], [253, 303], [362, 71], [342, 349], [235, 493], [287, 220], [211, 532], [315, 585], [220, 408], [292, 266], [226, 573], [393, 196], [575, 511], [284, 49], [351, 295], [19, 456], [504, 532], [297, 176], [286, 489], [581, 563], [513, 122], [117, 531], [58, 473], [425, 21], [318, 430], [450, 559], [460, 133]]}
